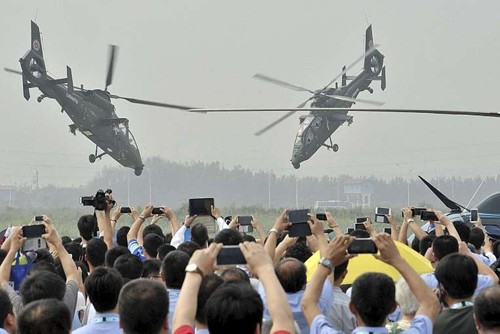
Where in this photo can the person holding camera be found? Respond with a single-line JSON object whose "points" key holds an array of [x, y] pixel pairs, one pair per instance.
{"points": [[233, 308]]}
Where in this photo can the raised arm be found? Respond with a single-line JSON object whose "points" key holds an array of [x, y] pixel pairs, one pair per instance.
{"points": [[330, 220], [336, 252], [172, 218], [105, 227], [136, 226], [261, 265], [16, 241], [260, 230], [185, 310], [53, 238], [482, 268], [429, 304], [443, 219], [280, 224]]}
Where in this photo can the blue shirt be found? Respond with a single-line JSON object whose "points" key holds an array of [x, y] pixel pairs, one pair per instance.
{"points": [[136, 249], [173, 296], [483, 282], [295, 299], [421, 324], [102, 323]]}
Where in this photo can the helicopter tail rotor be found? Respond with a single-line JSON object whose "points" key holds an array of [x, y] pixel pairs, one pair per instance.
{"points": [[111, 65]]}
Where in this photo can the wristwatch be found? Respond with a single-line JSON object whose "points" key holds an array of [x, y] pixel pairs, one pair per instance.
{"points": [[325, 262], [193, 268]]}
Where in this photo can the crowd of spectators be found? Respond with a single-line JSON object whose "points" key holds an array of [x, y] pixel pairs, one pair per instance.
{"points": [[138, 280]]}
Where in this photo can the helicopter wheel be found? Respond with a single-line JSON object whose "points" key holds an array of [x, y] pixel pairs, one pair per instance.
{"points": [[92, 158], [335, 147], [138, 171], [296, 165]]}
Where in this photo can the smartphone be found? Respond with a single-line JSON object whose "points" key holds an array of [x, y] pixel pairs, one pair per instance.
{"points": [[382, 211], [414, 212], [230, 255], [381, 219], [157, 211], [361, 220], [387, 230], [362, 246], [299, 230], [201, 206], [125, 209], [473, 215], [38, 218], [245, 224], [321, 216], [34, 241], [428, 215], [298, 216], [359, 226]]}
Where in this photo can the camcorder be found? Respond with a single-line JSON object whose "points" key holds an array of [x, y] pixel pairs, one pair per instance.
{"points": [[98, 201]]}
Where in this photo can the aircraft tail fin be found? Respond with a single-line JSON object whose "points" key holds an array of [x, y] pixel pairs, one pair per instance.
{"points": [[36, 41], [69, 78]]}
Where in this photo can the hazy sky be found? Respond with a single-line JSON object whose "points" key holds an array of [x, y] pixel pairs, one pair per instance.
{"points": [[438, 54]]}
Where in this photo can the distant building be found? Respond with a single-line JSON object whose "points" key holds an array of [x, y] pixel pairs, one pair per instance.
{"points": [[359, 193]]}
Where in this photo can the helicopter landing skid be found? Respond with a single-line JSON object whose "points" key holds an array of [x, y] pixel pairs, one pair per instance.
{"points": [[94, 157]]}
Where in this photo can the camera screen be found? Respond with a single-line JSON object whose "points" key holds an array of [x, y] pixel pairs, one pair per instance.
{"points": [[200, 206], [382, 211], [230, 255], [362, 246], [245, 220], [299, 230]]}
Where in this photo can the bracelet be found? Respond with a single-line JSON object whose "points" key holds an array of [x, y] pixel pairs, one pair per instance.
{"points": [[410, 221], [113, 220], [274, 230], [141, 217]]}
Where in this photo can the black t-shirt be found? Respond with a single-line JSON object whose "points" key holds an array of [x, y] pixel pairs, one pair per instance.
{"points": [[456, 321]]}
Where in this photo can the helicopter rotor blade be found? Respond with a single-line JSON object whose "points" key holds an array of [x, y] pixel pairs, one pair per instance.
{"points": [[351, 99], [276, 122], [366, 54], [281, 83], [6, 69], [150, 103], [111, 65]]}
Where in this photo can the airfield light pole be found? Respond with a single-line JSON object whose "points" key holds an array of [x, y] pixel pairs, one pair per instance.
{"points": [[296, 193], [269, 190], [128, 189], [149, 178]]}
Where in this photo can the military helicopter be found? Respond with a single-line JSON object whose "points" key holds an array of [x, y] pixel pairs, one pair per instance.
{"points": [[91, 110], [330, 105]]}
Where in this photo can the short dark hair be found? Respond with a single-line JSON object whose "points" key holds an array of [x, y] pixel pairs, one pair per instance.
{"points": [[476, 237], [487, 308], [86, 225], [199, 234], [189, 247], [96, 252], [457, 273], [235, 274], [462, 229], [173, 268], [374, 296], [151, 267], [340, 269], [103, 287], [208, 286], [66, 239], [129, 266], [43, 255], [143, 306], [74, 249], [426, 243], [5, 306], [151, 243], [299, 251], [234, 308], [164, 250], [153, 229], [121, 236], [249, 238], [42, 284], [292, 274], [228, 237], [444, 245], [113, 253], [45, 316]]}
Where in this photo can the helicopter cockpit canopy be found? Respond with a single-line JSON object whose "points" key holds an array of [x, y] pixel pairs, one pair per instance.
{"points": [[124, 129], [303, 131]]}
